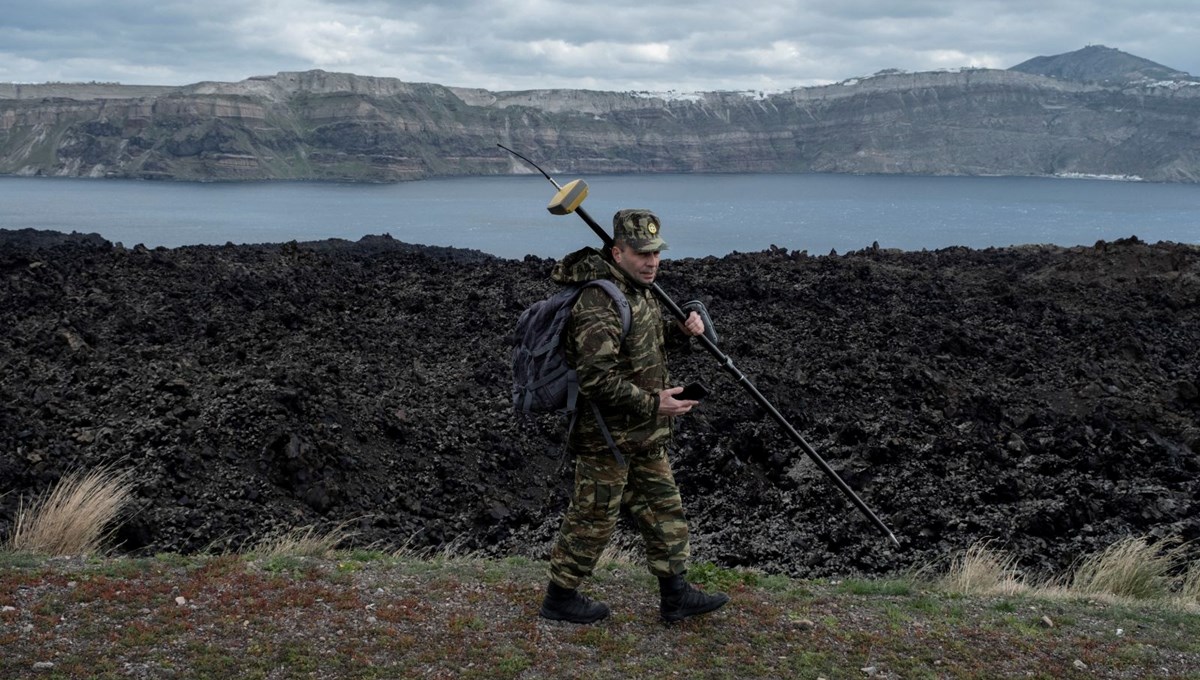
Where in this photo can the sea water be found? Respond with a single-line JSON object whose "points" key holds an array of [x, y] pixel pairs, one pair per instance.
{"points": [[712, 214]]}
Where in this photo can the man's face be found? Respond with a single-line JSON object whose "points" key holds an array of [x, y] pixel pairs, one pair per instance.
{"points": [[641, 266]]}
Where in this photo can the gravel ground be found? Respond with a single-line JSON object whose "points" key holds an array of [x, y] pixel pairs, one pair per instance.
{"points": [[358, 615]]}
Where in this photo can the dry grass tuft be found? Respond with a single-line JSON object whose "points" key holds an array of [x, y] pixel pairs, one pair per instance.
{"points": [[74, 516], [304, 541], [454, 550], [1189, 592], [624, 549], [409, 551], [1131, 567], [980, 570]]}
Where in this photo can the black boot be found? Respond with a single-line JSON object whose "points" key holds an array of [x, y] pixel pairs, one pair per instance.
{"points": [[681, 600], [564, 604]]}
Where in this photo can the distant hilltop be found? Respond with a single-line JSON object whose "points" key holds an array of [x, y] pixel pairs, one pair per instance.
{"points": [[1104, 65], [1093, 112]]}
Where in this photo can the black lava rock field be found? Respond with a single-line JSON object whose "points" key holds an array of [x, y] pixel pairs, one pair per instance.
{"points": [[1044, 397]]}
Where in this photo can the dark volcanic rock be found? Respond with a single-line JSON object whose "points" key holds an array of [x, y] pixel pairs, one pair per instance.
{"points": [[1041, 396]]}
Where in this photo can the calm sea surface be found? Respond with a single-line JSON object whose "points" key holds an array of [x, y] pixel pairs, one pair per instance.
{"points": [[702, 214]]}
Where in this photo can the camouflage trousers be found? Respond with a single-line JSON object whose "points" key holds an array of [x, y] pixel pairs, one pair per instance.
{"points": [[646, 488]]}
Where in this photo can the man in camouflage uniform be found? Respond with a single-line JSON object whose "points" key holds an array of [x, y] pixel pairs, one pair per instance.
{"points": [[628, 381]]}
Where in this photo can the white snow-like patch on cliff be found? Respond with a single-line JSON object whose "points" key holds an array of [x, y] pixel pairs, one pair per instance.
{"points": [[1085, 175], [676, 96]]}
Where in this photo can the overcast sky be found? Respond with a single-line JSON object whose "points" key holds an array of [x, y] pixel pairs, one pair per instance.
{"points": [[620, 45]]}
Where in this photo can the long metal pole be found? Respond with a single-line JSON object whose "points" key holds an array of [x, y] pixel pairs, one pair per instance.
{"points": [[727, 364]]}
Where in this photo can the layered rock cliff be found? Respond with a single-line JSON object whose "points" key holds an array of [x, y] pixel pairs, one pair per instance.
{"points": [[331, 126]]}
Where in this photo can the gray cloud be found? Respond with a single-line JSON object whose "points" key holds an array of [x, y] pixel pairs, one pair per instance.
{"points": [[614, 45]]}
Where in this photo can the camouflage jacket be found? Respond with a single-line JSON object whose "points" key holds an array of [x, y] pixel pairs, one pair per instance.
{"points": [[622, 379]]}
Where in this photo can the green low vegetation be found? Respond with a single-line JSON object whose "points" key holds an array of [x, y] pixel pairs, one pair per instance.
{"points": [[368, 614], [298, 606]]}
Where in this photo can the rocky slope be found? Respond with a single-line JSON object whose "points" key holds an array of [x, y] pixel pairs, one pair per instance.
{"points": [[332, 126], [1044, 397]]}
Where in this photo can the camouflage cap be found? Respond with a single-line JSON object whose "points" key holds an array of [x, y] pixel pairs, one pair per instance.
{"points": [[641, 229]]}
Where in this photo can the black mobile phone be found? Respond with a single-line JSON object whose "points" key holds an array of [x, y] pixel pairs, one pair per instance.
{"points": [[693, 392]]}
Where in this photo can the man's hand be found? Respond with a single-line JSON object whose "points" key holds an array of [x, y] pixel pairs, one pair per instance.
{"points": [[668, 405], [693, 325]]}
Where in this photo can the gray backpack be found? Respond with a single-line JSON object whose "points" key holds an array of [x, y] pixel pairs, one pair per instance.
{"points": [[542, 380]]}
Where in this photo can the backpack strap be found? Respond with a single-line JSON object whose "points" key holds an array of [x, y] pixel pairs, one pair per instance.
{"points": [[572, 398], [607, 435], [610, 287]]}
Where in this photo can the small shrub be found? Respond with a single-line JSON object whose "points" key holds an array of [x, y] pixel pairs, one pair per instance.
{"points": [[281, 564], [711, 577], [364, 555], [1131, 567], [512, 664], [19, 560], [1006, 606], [75, 516], [979, 570]]}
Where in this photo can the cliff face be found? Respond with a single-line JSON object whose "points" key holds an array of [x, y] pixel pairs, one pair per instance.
{"points": [[329, 126]]}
